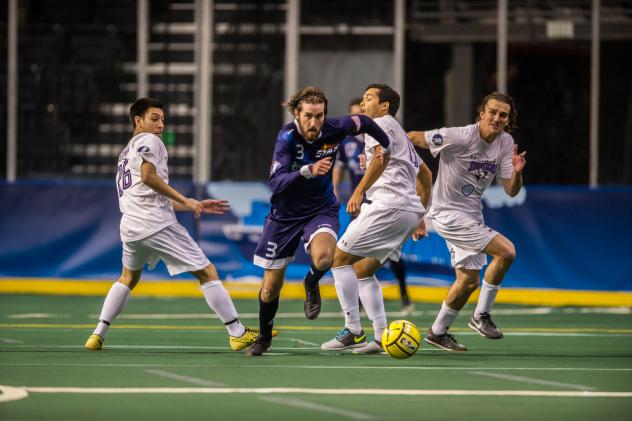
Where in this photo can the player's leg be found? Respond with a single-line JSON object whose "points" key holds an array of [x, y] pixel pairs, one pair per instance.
{"points": [[399, 270], [268, 306], [113, 304], [373, 301], [503, 254], [218, 300], [347, 289], [320, 235], [465, 284]]}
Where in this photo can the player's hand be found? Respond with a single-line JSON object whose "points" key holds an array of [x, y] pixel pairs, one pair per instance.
{"points": [[518, 161], [383, 157], [321, 167], [215, 207], [354, 204], [362, 160], [420, 231], [193, 205]]}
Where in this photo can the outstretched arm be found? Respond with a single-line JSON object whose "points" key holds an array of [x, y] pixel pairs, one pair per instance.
{"points": [[513, 185], [418, 139], [373, 172], [150, 178], [424, 188]]}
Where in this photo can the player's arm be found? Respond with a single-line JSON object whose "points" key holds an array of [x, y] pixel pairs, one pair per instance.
{"points": [[373, 172], [150, 178], [423, 186], [513, 185], [336, 178], [359, 123], [418, 139]]}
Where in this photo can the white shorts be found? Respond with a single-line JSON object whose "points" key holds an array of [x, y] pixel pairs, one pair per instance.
{"points": [[379, 232], [173, 245], [466, 238]]}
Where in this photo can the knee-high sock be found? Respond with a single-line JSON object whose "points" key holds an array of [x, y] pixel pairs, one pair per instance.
{"points": [[220, 302], [313, 276], [267, 313], [373, 302], [486, 298], [347, 288], [399, 270], [112, 306], [444, 319]]}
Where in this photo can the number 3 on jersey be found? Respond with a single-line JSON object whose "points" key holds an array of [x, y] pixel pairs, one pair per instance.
{"points": [[271, 250], [123, 178]]}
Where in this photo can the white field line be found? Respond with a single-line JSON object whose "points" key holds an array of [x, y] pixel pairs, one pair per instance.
{"points": [[324, 367], [522, 379], [297, 403], [298, 341], [10, 341], [315, 391], [186, 379], [9, 393]]}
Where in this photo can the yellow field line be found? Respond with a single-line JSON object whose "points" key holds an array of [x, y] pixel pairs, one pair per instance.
{"points": [[294, 290]]}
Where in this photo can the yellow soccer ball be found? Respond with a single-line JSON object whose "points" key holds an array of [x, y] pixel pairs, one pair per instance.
{"points": [[401, 339]]}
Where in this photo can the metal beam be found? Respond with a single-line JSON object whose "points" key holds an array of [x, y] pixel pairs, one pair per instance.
{"points": [[292, 45], [202, 162], [399, 39], [594, 95], [141, 48], [501, 48], [12, 91]]}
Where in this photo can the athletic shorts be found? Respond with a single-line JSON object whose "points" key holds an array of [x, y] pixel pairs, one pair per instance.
{"points": [[465, 236], [281, 237], [173, 245], [379, 232]]}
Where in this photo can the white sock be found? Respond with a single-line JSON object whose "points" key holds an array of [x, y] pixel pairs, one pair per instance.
{"points": [[112, 306], [444, 319], [373, 302], [346, 283], [220, 302], [486, 298]]}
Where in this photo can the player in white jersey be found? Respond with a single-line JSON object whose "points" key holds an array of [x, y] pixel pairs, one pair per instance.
{"points": [[470, 158], [397, 191], [151, 232]]}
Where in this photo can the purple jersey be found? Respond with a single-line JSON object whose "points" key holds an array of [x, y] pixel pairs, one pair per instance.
{"points": [[294, 196], [349, 157]]}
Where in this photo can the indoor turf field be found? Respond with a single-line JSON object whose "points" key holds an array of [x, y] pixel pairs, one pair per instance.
{"points": [[168, 359]]}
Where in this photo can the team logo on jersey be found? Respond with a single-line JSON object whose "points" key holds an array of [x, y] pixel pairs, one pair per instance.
{"points": [[437, 139], [275, 167], [357, 122], [143, 149], [326, 150], [482, 169], [467, 189]]}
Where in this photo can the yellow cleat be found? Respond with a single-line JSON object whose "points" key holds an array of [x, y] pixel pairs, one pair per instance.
{"points": [[94, 343], [244, 341]]}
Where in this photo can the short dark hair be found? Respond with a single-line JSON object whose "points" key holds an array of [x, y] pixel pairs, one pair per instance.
{"points": [[140, 107], [513, 114], [309, 95], [386, 94]]}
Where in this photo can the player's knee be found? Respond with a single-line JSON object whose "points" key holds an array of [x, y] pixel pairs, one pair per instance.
{"points": [[269, 293], [508, 254], [323, 262]]}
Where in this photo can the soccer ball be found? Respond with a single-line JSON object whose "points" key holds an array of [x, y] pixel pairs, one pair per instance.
{"points": [[401, 339]]}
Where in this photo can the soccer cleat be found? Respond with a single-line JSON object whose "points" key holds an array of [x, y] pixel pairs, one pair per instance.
{"points": [[485, 326], [244, 341], [408, 309], [445, 341], [260, 346], [94, 342], [345, 339], [312, 302], [372, 347]]}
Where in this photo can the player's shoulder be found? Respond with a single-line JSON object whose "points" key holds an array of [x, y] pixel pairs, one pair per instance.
{"points": [[288, 133], [146, 142]]}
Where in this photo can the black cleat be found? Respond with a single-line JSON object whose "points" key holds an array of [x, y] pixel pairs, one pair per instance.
{"points": [[312, 302], [485, 326], [260, 346], [445, 341]]}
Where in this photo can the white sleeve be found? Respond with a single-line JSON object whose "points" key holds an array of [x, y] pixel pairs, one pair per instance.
{"points": [[371, 143], [150, 148], [446, 138], [506, 165]]}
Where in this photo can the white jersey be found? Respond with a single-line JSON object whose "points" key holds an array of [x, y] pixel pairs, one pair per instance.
{"points": [[396, 187], [467, 166], [145, 212]]}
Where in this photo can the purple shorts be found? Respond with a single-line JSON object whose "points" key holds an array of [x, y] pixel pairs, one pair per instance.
{"points": [[281, 237]]}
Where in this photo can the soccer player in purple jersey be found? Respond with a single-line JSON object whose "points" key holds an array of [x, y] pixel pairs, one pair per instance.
{"points": [[303, 201]]}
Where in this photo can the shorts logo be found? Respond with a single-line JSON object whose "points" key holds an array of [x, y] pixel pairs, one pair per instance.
{"points": [[356, 120], [467, 189], [143, 149], [275, 167], [437, 139]]}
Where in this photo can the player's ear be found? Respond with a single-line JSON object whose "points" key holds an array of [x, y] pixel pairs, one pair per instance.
{"points": [[138, 120]]}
